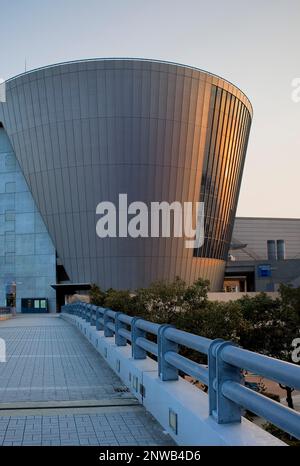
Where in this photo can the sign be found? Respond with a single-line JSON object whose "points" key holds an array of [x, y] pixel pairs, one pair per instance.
{"points": [[264, 270]]}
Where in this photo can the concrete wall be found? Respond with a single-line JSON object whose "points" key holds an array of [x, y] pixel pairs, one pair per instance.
{"points": [[27, 255], [225, 297]]}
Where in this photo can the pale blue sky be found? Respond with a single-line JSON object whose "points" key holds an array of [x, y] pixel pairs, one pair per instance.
{"points": [[255, 44]]}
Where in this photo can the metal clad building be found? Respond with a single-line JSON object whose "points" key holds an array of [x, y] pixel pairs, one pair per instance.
{"points": [[265, 252], [256, 232], [85, 131]]}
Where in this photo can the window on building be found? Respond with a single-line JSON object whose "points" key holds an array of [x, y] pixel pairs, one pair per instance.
{"points": [[280, 249], [271, 248]]}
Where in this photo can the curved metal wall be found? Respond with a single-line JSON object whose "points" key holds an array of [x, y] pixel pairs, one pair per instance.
{"points": [[84, 132]]}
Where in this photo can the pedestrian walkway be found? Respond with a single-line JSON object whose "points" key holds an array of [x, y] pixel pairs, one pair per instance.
{"points": [[55, 389]]}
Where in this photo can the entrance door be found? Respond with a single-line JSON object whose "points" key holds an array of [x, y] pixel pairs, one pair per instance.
{"points": [[34, 305]]}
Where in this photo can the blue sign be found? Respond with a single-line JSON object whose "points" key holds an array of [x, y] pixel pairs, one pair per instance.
{"points": [[264, 270]]}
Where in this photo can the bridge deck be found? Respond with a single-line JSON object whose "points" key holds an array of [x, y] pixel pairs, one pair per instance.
{"points": [[56, 389]]}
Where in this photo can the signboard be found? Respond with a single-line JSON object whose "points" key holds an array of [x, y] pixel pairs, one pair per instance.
{"points": [[264, 270]]}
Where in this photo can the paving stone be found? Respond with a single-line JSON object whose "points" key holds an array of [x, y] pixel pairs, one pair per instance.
{"points": [[49, 359]]}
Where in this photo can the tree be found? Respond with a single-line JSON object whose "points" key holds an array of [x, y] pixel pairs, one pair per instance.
{"points": [[195, 296], [259, 324], [118, 300], [270, 327], [96, 295], [162, 301]]}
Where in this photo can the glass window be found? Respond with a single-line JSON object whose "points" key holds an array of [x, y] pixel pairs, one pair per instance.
{"points": [[271, 248], [225, 147], [280, 249]]}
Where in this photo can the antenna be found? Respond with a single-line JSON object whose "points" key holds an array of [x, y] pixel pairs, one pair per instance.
{"points": [[25, 65]]}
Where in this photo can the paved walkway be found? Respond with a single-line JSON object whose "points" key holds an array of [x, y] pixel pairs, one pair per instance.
{"points": [[55, 389]]}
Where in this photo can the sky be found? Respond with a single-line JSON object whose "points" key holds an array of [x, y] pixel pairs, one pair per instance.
{"points": [[254, 44]]}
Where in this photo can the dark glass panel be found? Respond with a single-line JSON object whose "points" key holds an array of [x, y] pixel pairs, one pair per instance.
{"points": [[225, 148]]}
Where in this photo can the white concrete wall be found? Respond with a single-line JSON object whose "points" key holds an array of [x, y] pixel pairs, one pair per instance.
{"points": [[225, 297], [194, 425]]}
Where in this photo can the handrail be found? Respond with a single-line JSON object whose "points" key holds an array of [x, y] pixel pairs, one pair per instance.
{"points": [[189, 340], [223, 375], [125, 334], [147, 326], [147, 345], [273, 369], [262, 406], [125, 318], [198, 371]]}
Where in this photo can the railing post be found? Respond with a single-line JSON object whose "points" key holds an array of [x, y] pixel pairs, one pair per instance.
{"points": [[221, 408], [137, 351], [90, 313], [83, 311], [212, 375], [119, 340], [99, 314], [87, 312], [93, 320], [165, 370], [107, 331]]}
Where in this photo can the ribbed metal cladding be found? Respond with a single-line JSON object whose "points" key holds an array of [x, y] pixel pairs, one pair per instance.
{"points": [[85, 131]]}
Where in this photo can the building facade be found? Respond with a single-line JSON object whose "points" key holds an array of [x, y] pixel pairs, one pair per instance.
{"points": [[27, 255], [84, 132], [264, 253]]}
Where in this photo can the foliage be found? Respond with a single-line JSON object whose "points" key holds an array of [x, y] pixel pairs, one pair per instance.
{"points": [[162, 301], [270, 326], [257, 323], [96, 295], [118, 300]]}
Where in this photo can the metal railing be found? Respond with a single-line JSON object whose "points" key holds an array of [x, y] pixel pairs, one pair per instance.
{"points": [[223, 375]]}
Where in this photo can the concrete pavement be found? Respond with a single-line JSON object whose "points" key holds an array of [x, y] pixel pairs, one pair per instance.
{"points": [[55, 389]]}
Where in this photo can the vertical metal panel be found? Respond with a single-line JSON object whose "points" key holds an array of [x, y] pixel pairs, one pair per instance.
{"points": [[86, 131]]}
